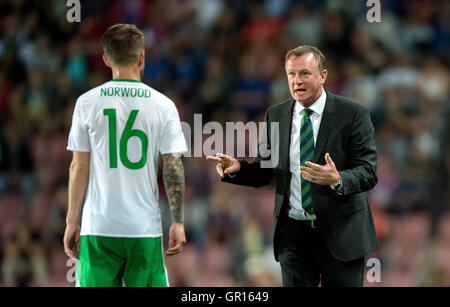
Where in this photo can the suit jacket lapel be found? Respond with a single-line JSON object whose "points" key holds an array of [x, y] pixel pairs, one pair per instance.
{"points": [[285, 123], [326, 125]]}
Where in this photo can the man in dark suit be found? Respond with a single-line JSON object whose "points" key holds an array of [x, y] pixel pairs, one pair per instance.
{"points": [[323, 226]]}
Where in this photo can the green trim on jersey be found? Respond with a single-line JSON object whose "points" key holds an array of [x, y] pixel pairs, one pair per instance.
{"points": [[126, 80], [106, 261]]}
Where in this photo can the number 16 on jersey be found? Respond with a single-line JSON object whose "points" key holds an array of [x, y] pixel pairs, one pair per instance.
{"points": [[127, 133]]}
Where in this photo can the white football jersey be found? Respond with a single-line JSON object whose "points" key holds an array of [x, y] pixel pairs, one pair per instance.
{"points": [[125, 125]]}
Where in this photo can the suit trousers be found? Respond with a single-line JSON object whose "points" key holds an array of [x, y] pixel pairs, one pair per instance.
{"points": [[307, 262]]}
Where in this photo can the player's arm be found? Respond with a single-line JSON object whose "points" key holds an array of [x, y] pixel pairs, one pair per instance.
{"points": [[78, 183], [173, 175]]}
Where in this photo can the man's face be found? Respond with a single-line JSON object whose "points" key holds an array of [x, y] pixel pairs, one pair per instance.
{"points": [[304, 78]]}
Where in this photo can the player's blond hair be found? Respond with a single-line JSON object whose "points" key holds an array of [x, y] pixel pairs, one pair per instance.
{"points": [[122, 43]]}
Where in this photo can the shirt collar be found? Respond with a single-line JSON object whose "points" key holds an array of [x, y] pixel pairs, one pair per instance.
{"points": [[318, 106]]}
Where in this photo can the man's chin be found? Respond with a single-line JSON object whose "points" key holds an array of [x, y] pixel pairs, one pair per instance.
{"points": [[302, 97]]}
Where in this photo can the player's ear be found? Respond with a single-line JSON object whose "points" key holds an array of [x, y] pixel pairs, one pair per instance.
{"points": [[141, 60], [106, 61]]}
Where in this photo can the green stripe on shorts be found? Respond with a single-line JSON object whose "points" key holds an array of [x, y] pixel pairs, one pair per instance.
{"points": [[106, 261]]}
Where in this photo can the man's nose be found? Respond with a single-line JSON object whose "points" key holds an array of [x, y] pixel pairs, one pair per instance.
{"points": [[298, 79]]}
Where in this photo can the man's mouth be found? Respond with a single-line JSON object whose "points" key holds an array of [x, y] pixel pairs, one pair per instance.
{"points": [[300, 90]]}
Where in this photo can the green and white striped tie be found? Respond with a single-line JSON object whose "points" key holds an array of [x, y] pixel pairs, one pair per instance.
{"points": [[306, 154]]}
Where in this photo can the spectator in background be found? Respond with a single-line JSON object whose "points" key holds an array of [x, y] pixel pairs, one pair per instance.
{"points": [[16, 163]]}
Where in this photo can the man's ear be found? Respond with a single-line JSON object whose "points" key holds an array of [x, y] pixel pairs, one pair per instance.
{"points": [[324, 75], [106, 61], [141, 60]]}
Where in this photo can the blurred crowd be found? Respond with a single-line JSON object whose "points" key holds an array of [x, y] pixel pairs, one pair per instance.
{"points": [[224, 59]]}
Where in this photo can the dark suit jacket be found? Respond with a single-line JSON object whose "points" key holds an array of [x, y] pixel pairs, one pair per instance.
{"points": [[347, 133]]}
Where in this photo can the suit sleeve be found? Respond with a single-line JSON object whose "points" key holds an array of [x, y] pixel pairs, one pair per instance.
{"points": [[361, 176], [255, 174]]}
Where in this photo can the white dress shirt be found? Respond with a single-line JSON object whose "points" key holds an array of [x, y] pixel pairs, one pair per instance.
{"points": [[295, 199]]}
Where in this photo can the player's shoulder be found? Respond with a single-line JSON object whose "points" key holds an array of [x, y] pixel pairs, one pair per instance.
{"points": [[157, 95], [159, 98], [92, 93]]}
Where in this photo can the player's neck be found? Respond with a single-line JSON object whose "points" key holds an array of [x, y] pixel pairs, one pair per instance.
{"points": [[132, 73]]}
